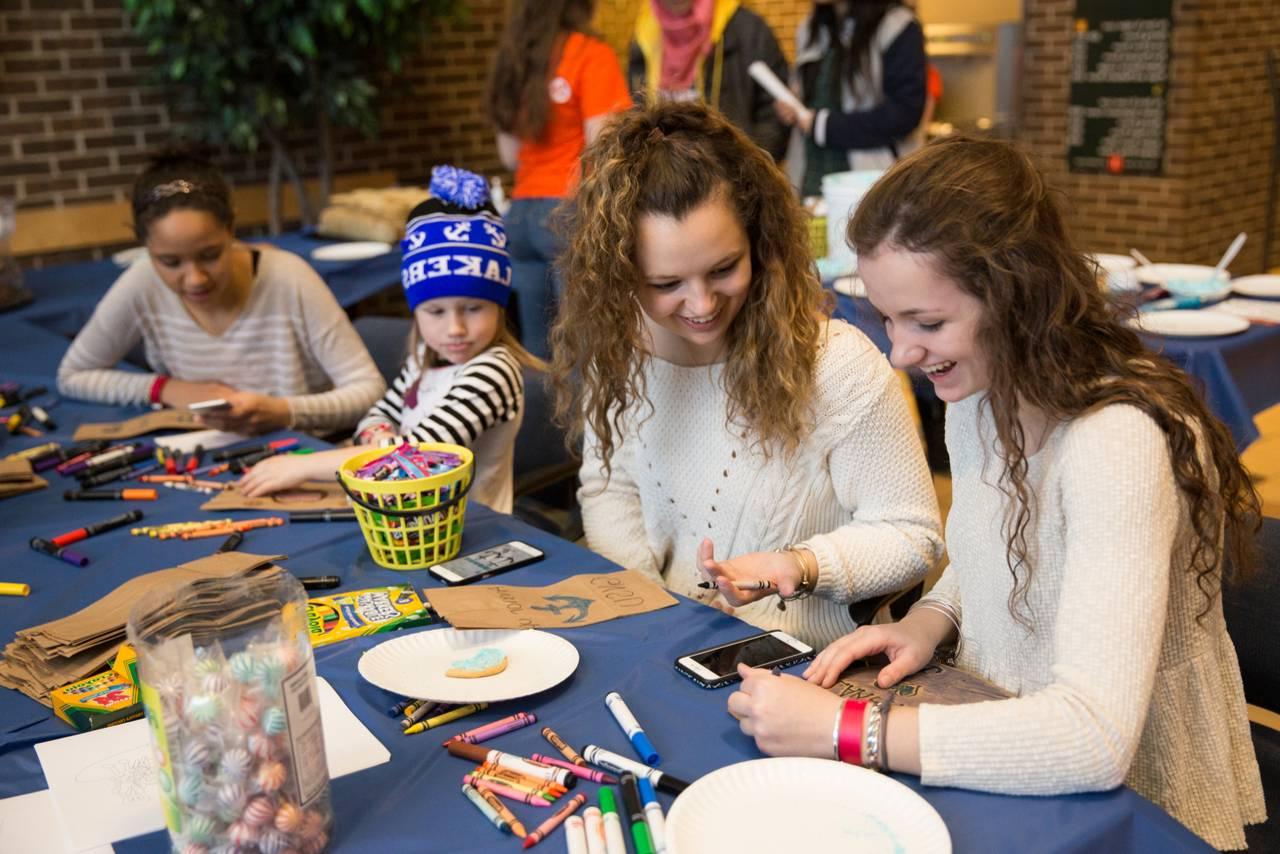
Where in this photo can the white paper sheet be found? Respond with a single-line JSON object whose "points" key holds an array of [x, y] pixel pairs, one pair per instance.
{"points": [[105, 780], [29, 824], [764, 75]]}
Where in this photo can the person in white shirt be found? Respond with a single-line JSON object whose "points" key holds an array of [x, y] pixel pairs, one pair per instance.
{"points": [[1094, 497], [724, 413]]}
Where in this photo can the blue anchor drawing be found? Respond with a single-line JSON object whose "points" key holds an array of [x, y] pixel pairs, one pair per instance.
{"points": [[566, 603]]}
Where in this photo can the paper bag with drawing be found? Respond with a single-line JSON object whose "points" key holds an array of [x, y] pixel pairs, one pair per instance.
{"points": [[308, 495], [578, 601], [161, 419], [936, 682], [16, 477]]}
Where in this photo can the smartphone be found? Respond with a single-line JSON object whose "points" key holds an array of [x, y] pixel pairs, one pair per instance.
{"points": [[717, 666], [478, 565], [214, 405]]}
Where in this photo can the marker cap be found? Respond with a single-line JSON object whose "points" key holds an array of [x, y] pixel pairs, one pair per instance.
{"points": [[8, 588]]}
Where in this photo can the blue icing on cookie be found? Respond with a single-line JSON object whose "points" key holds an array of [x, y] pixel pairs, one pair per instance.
{"points": [[482, 660]]}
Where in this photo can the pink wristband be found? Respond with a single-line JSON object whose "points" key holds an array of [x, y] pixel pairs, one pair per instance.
{"points": [[157, 386], [849, 745]]}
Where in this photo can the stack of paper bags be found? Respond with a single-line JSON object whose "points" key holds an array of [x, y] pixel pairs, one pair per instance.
{"points": [[54, 654], [370, 214], [16, 477]]}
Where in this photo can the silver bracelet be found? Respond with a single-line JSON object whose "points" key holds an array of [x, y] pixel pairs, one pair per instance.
{"points": [[946, 609], [871, 738], [835, 731], [884, 731]]}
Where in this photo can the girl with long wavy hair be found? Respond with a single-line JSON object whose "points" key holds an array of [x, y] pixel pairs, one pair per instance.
{"points": [[1094, 498], [553, 82], [721, 407]]}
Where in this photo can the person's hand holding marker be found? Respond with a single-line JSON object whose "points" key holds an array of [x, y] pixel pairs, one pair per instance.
{"points": [[754, 576], [786, 716]]}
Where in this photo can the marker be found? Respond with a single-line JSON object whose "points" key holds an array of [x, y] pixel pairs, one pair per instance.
{"points": [[559, 744], [575, 836], [451, 715], [614, 841], [635, 814], [231, 543], [246, 450], [644, 749], [110, 495], [491, 730], [495, 817], [323, 516], [320, 582], [594, 824], [72, 557], [520, 765], [761, 584], [653, 815], [43, 417], [611, 761], [552, 822], [517, 829], [13, 588], [577, 770], [36, 452], [533, 800]]}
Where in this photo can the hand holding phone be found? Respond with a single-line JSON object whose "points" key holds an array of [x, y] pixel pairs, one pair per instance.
{"points": [[717, 666], [217, 404], [482, 564]]}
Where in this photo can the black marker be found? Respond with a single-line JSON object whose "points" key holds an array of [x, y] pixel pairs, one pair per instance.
{"points": [[70, 556], [231, 543], [323, 516], [320, 582]]}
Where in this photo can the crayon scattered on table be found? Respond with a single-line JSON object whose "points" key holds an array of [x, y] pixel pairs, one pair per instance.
{"points": [[592, 774], [492, 730], [517, 829], [541, 831], [447, 717], [486, 808], [561, 745]]}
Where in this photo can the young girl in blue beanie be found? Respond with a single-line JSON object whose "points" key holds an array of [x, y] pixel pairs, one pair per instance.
{"points": [[461, 382]]}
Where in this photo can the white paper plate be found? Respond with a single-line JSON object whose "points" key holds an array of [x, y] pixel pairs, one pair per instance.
{"points": [[1257, 286], [354, 251], [414, 665], [802, 804], [1189, 323], [126, 257], [850, 286]]}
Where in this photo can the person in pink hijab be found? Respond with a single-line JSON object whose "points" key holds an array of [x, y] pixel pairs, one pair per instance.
{"points": [[700, 49]]}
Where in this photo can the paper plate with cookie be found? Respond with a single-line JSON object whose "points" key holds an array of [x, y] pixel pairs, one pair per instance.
{"points": [[478, 666]]}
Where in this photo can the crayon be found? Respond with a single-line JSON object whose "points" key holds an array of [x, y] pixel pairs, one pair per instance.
{"points": [[553, 821], [13, 588], [517, 829], [494, 729], [559, 744], [516, 780], [420, 711], [529, 798], [577, 770], [447, 717], [400, 707], [761, 584], [486, 808]]}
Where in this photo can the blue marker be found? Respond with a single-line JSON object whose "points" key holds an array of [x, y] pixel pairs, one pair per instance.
{"points": [[653, 815], [626, 720]]}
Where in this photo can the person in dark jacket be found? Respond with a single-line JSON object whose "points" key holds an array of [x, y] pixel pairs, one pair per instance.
{"points": [[687, 49]]}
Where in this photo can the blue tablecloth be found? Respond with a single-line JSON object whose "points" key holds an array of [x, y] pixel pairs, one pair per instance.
{"points": [[65, 295], [1238, 374], [412, 803]]}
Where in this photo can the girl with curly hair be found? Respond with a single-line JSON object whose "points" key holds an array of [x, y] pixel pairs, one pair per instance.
{"points": [[1094, 498], [721, 407]]}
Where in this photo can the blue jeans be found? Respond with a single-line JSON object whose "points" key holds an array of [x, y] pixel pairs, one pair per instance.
{"points": [[533, 249]]}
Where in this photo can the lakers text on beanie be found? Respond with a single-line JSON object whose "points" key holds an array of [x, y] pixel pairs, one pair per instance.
{"points": [[455, 244]]}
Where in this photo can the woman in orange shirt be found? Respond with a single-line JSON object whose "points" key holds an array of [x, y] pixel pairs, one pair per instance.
{"points": [[553, 83]]}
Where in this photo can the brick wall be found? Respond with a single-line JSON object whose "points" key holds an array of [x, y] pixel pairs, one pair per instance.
{"points": [[1218, 139]]}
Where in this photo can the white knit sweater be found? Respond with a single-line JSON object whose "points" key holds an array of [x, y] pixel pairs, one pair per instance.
{"points": [[1118, 682], [857, 492]]}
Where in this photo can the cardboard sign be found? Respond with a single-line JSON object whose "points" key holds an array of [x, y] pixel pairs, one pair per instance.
{"points": [[582, 600], [16, 478], [308, 495], [937, 682], [161, 419]]}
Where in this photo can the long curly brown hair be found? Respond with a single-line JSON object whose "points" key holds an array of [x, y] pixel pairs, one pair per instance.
{"points": [[983, 212], [667, 159]]}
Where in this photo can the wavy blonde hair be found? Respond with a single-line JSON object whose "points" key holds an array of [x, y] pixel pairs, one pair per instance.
{"points": [[667, 159], [984, 214]]}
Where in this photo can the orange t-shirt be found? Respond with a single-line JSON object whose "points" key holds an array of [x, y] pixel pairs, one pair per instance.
{"points": [[588, 82]]}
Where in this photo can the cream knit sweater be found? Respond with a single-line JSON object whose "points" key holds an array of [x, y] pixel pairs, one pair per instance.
{"points": [[1118, 682], [857, 492]]}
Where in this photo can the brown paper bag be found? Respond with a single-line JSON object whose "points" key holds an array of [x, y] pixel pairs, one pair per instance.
{"points": [[308, 495], [578, 601], [161, 419], [16, 478], [937, 682]]}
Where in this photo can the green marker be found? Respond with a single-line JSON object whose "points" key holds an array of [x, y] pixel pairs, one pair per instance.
{"points": [[614, 840], [635, 810]]}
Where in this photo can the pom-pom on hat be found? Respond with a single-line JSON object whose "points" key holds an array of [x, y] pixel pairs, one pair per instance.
{"points": [[455, 244]]}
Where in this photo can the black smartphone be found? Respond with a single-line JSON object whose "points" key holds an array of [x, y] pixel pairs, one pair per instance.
{"points": [[717, 666], [482, 564]]}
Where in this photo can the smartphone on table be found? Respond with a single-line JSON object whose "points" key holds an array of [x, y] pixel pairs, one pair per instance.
{"points": [[215, 405], [717, 666], [482, 564]]}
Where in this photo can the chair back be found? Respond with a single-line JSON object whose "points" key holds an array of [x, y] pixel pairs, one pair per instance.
{"points": [[1252, 610]]}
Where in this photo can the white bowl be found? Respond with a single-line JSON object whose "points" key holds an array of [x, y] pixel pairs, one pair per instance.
{"points": [[1186, 280]]}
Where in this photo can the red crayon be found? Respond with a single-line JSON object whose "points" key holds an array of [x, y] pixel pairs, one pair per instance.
{"points": [[540, 833]]}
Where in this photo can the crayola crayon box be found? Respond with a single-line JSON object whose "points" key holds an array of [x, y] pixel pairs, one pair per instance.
{"points": [[103, 699], [365, 612]]}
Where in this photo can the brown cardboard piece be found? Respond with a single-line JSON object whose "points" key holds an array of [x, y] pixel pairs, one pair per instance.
{"points": [[16, 478], [161, 419], [308, 495], [582, 600], [937, 682]]}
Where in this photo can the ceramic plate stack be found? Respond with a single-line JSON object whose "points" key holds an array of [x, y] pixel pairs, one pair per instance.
{"points": [[802, 804], [1265, 286]]}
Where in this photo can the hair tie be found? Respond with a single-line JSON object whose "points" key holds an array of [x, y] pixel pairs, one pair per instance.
{"points": [[170, 188]]}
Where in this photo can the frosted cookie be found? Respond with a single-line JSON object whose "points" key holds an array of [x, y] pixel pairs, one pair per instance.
{"points": [[486, 662]]}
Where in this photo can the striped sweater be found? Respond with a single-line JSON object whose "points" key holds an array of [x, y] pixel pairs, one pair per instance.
{"points": [[292, 340], [478, 404]]}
